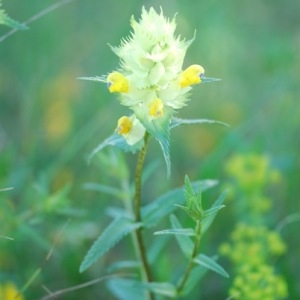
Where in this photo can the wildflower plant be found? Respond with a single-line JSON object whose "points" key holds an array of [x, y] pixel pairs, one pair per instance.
{"points": [[153, 84]]}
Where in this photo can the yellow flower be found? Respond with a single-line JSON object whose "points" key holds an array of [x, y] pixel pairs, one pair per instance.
{"points": [[156, 108], [131, 129], [9, 291], [192, 75], [117, 82]]}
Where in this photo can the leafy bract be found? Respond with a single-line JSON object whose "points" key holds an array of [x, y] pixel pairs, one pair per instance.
{"points": [[164, 205], [118, 141], [159, 128], [109, 237], [6, 20], [209, 263], [175, 122]]}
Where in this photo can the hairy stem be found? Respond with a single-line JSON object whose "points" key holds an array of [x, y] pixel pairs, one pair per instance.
{"points": [[140, 245], [191, 263]]}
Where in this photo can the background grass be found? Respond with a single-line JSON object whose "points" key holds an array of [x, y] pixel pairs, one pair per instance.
{"points": [[50, 121]]}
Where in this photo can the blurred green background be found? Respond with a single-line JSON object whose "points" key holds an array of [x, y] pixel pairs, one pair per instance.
{"points": [[50, 122]]}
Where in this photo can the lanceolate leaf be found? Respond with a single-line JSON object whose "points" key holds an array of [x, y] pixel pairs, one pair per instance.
{"points": [[109, 237], [161, 288], [180, 231], [125, 289], [209, 263], [178, 122], [185, 242], [212, 212], [195, 276], [164, 205]]}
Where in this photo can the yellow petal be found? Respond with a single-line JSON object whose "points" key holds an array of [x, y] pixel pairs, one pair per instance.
{"points": [[124, 125], [191, 75], [117, 83], [156, 108]]}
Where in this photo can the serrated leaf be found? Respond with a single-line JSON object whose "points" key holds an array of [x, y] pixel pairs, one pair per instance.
{"points": [[6, 20], [117, 141], [185, 243], [125, 289], [190, 212], [117, 230], [159, 128], [188, 191], [209, 263], [179, 231], [207, 221], [161, 288], [164, 205], [175, 122]]}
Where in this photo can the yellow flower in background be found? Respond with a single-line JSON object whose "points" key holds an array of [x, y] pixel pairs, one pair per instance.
{"points": [[251, 171], [9, 291]]}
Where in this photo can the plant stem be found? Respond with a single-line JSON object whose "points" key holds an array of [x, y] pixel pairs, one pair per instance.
{"points": [[141, 249], [194, 254]]}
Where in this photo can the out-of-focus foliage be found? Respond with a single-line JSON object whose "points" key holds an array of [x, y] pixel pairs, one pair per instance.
{"points": [[50, 122]]}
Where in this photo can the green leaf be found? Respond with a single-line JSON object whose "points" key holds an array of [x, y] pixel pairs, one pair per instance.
{"points": [[117, 141], [175, 122], [180, 231], [156, 248], [125, 289], [209, 263], [124, 264], [117, 212], [196, 275], [207, 221], [6, 20], [164, 205], [212, 210], [193, 201], [185, 243], [161, 288], [159, 128], [118, 229], [104, 189]]}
